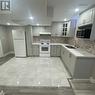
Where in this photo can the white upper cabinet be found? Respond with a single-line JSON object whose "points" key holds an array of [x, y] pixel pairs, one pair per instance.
{"points": [[64, 29], [71, 28], [86, 17]]}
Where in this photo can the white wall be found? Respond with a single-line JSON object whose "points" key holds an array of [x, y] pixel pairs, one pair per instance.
{"points": [[37, 29], [29, 40], [6, 40]]}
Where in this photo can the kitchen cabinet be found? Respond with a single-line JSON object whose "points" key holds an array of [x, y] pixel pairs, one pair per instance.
{"points": [[87, 23], [35, 50], [55, 50], [68, 59], [76, 64], [86, 17], [64, 29], [69, 28]]}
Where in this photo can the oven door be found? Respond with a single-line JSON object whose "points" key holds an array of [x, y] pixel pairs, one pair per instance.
{"points": [[44, 49]]}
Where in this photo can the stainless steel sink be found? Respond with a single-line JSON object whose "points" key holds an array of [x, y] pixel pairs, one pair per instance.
{"points": [[71, 47]]}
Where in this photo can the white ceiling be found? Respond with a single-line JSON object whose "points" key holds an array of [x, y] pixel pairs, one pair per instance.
{"points": [[23, 9], [65, 8]]}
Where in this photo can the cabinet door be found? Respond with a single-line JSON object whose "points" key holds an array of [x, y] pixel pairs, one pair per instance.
{"points": [[86, 18], [72, 28], [35, 50], [53, 50], [62, 53], [58, 50], [71, 63]]}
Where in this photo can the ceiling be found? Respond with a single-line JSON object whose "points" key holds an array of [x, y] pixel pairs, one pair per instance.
{"points": [[43, 11], [66, 8]]}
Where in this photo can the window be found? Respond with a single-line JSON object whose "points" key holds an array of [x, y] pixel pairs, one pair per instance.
{"points": [[5, 5]]}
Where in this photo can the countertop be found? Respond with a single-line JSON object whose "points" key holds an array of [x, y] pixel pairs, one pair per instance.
{"points": [[35, 43], [78, 52]]}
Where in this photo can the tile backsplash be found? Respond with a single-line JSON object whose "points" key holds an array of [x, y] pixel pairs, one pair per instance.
{"points": [[53, 39], [85, 44]]}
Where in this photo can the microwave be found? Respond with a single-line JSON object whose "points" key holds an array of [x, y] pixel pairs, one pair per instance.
{"points": [[84, 32]]}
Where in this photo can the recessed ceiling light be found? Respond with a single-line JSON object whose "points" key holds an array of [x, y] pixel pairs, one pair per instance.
{"points": [[65, 19], [31, 18], [8, 24], [38, 24], [77, 10]]}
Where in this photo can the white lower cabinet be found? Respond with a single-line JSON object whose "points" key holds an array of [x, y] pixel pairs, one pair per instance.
{"points": [[55, 50], [78, 67], [35, 50]]}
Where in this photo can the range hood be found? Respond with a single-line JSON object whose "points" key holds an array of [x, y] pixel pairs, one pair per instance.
{"points": [[45, 34]]}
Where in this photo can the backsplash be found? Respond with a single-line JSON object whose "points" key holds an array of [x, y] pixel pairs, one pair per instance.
{"points": [[53, 39], [85, 44]]}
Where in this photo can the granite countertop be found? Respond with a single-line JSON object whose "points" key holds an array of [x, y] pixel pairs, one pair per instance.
{"points": [[35, 43], [78, 52]]}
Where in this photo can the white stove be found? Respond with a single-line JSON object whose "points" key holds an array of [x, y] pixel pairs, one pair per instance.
{"points": [[44, 47]]}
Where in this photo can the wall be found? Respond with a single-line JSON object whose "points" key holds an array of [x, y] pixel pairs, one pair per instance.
{"points": [[53, 39], [11, 46], [6, 40], [29, 40], [37, 29], [85, 44]]}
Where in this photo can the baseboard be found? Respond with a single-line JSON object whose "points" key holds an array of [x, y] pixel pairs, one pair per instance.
{"points": [[11, 52], [92, 80], [81, 80]]}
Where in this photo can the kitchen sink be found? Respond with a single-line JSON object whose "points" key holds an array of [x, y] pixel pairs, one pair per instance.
{"points": [[71, 47]]}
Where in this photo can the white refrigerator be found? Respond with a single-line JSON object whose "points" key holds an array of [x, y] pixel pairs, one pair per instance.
{"points": [[19, 42]]}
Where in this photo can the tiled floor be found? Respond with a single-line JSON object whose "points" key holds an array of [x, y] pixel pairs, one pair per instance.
{"points": [[81, 87], [36, 71]]}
